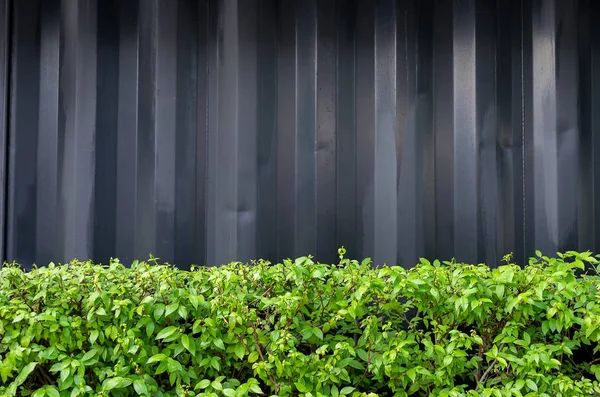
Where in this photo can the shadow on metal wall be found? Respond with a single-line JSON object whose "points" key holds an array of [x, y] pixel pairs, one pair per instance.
{"points": [[210, 131]]}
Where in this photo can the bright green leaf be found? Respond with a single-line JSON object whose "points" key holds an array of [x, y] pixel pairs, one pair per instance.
{"points": [[94, 336], [166, 332], [531, 384], [252, 357], [219, 344], [203, 384], [116, 383], [240, 351], [140, 387], [156, 358], [229, 392]]}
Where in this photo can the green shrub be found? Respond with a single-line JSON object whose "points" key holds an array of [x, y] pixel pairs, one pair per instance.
{"points": [[302, 329]]}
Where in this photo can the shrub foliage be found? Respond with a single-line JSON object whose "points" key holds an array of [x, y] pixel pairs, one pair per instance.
{"points": [[302, 329]]}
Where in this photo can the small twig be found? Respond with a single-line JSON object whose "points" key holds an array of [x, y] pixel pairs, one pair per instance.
{"points": [[367, 367], [242, 342], [589, 365], [262, 357], [262, 296], [486, 373]]}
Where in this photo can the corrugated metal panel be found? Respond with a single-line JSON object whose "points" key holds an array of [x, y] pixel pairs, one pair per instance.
{"points": [[4, 94], [207, 131]]}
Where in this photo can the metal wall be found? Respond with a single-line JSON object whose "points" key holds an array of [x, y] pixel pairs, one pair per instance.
{"points": [[210, 131]]}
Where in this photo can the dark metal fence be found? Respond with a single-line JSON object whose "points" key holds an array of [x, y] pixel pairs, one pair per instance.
{"points": [[209, 131]]}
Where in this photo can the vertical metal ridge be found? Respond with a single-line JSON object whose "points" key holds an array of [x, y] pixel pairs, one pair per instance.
{"points": [[444, 102], [247, 131], [107, 108], [526, 142], [544, 132], [126, 154], [425, 129], [409, 142], [21, 214], [286, 130], [490, 165], [223, 154], [189, 121], [79, 100], [568, 133], [166, 127], [345, 128], [305, 161], [326, 139], [212, 124], [385, 180], [594, 9], [585, 201], [201, 133], [465, 140], [268, 136], [145, 208], [5, 73], [365, 125]]}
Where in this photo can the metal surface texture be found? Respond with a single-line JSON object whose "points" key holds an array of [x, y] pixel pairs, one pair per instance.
{"points": [[207, 131]]}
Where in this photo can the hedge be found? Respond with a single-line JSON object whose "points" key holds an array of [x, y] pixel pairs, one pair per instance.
{"points": [[302, 328]]}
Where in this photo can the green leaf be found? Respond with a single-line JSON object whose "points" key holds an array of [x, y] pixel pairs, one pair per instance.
{"points": [[185, 341], [28, 369], [252, 357], [347, 390], [256, 389], [39, 392], [307, 333], [531, 384], [335, 392], [500, 291], [101, 312], [166, 332], [159, 309], [156, 358], [52, 392], [363, 355], [116, 383], [240, 351], [203, 384], [89, 355], [18, 318], [219, 344], [150, 328], [194, 300], [302, 386], [171, 309], [318, 333], [412, 374], [448, 360], [140, 387], [182, 311], [229, 392], [94, 336], [60, 366]]}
